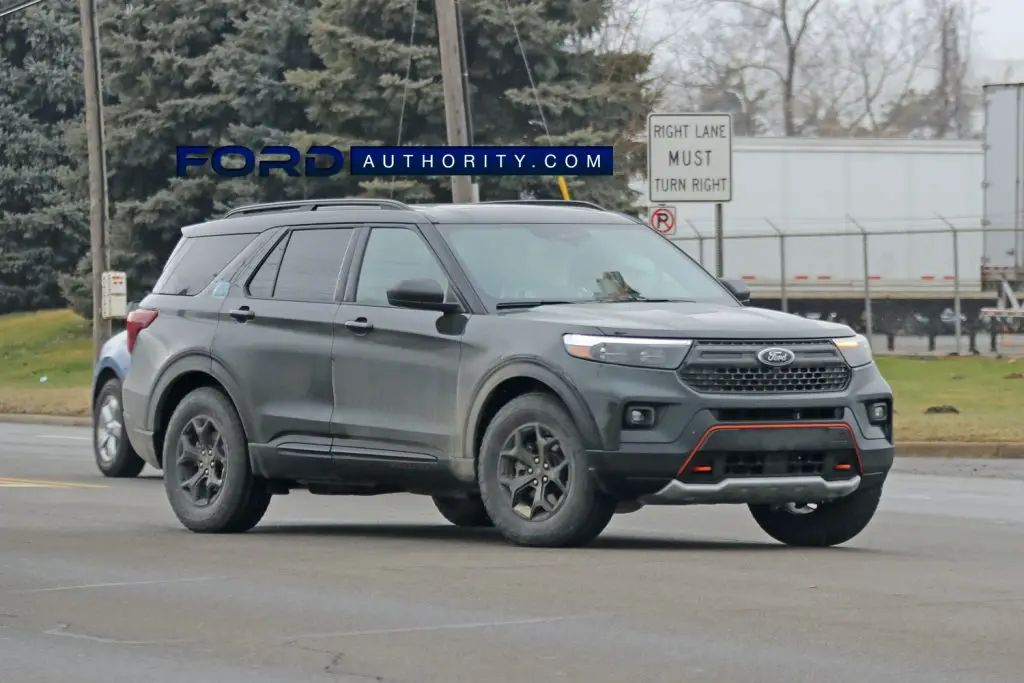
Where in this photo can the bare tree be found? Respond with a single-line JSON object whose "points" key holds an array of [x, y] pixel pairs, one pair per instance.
{"points": [[836, 68], [884, 45], [767, 38], [945, 101]]}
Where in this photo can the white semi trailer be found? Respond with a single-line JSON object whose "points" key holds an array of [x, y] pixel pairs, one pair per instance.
{"points": [[795, 230]]}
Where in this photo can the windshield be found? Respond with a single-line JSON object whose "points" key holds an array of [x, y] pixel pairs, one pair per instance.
{"points": [[579, 262]]}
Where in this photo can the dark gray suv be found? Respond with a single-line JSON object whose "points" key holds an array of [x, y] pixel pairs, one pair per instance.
{"points": [[533, 366]]}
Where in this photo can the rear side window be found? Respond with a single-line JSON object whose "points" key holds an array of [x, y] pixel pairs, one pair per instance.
{"points": [[305, 266], [196, 261]]}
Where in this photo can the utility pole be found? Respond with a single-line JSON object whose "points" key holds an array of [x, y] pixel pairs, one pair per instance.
{"points": [[470, 139], [101, 328], [449, 45]]}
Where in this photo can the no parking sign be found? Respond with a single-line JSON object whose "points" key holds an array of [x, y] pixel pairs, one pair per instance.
{"points": [[663, 220]]}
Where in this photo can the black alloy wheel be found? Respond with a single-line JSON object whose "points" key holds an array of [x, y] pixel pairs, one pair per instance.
{"points": [[533, 472], [201, 460]]}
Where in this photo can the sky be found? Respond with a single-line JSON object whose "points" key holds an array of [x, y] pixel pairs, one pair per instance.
{"points": [[1000, 30]]}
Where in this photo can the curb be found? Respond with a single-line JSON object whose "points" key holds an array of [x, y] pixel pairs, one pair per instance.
{"points": [[952, 449], [905, 449], [52, 420]]}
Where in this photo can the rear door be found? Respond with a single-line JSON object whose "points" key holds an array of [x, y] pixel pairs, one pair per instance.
{"points": [[275, 338]]}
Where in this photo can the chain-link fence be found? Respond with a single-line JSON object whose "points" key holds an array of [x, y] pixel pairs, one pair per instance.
{"points": [[929, 281]]}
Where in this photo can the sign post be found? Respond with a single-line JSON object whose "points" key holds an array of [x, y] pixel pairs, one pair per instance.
{"points": [[663, 220], [689, 159]]}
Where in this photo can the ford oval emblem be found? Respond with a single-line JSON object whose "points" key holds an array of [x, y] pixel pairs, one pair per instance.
{"points": [[776, 357]]}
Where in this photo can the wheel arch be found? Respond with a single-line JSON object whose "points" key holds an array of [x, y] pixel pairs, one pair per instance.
{"points": [[181, 378], [105, 374], [516, 377]]}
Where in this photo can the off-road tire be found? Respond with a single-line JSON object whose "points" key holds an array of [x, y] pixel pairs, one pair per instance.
{"points": [[831, 524], [586, 510], [244, 498], [126, 463], [463, 512]]}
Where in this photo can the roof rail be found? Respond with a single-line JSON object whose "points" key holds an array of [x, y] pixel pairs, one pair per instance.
{"points": [[549, 202], [314, 204]]}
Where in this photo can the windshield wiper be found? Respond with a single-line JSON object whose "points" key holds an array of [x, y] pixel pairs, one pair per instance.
{"points": [[633, 298], [532, 303]]}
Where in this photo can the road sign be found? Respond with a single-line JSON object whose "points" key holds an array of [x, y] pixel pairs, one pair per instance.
{"points": [[663, 220], [689, 158]]}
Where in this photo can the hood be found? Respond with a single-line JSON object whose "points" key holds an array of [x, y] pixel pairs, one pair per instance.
{"points": [[685, 320]]}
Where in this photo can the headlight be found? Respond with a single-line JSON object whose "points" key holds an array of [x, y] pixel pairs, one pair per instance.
{"points": [[663, 354], [856, 350]]}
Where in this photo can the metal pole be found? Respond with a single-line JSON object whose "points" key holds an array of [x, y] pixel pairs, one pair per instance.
{"points": [[868, 315], [101, 329], [782, 265], [956, 281], [454, 95], [700, 239], [463, 65], [719, 240]]}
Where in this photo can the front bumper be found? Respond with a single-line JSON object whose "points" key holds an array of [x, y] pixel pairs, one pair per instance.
{"points": [[708, 449], [753, 490]]}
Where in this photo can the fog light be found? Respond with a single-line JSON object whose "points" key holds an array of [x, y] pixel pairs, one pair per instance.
{"points": [[878, 413], [639, 417]]}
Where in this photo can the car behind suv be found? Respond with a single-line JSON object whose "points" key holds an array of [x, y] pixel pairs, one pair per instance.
{"points": [[533, 367]]}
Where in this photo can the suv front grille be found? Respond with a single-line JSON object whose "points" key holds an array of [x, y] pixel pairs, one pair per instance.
{"points": [[731, 367]]}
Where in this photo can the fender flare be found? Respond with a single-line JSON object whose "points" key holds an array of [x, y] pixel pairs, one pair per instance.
{"points": [[537, 369], [102, 368], [196, 362]]}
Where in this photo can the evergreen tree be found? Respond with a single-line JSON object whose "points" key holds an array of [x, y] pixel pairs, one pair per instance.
{"points": [[43, 231], [587, 97], [176, 73]]}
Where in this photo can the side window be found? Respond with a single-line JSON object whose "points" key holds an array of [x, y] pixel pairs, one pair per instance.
{"points": [[393, 255], [261, 285], [310, 265], [196, 261]]}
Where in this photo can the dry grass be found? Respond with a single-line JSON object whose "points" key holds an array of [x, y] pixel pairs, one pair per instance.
{"points": [[45, 363], [57, 345], [990, 405]]}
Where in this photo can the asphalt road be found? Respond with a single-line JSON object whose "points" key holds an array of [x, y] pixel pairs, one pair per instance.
{"points": [[98, 582]]}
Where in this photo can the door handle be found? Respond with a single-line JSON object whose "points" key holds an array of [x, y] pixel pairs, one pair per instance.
{"points": [[361, 325], [243, 314]]}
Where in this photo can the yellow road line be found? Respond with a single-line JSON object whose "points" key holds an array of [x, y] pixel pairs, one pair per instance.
{"points": [[12, 482]]}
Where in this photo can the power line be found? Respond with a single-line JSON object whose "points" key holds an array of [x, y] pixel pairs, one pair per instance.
{"points": [[17, 7]]}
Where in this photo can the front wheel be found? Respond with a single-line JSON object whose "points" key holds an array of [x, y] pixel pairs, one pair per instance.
{"points": [[209, 481], [821, 525], [114, 454], [533, 476]]}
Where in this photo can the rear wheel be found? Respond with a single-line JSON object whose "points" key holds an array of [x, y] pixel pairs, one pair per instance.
{"points": [[463, 512], [114, 454], [207, 475], [819, 525], [533, 476]]}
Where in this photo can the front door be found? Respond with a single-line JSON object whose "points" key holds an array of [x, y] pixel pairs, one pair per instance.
{"points": [[395, 369]]}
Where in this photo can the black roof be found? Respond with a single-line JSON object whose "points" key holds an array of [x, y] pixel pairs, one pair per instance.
{"points": [[260, 217]]}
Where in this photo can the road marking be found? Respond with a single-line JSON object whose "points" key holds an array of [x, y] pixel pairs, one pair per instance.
{"points": [[119, 584], [62, 631], [437, 627], [13, 482]]}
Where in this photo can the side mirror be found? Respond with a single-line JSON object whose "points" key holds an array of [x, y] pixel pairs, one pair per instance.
{"points": [[422, 295], [739, 289]]}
